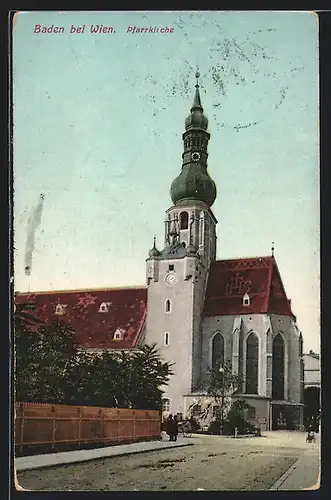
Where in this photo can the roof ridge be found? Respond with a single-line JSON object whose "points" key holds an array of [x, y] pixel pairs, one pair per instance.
{"points": [[245, 258], [282, 284], [84, 290], [267, 300]]}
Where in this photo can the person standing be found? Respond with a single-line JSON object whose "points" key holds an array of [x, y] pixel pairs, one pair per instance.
{"points": [[170, 427], [175, 426]]}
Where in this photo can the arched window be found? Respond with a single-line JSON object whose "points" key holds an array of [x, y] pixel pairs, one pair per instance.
{"points": [[278, 365], [252, 364], [217, 356], [183, 218], [167, 306], [269, 341]]}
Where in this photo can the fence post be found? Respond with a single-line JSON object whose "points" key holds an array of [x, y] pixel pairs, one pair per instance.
{"points": [[53, 428], [22, 426], [148, 426], [101, 424], [134, 426], [79, 425], [118, 427]]}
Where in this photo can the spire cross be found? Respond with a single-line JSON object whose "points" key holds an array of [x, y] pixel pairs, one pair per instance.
{"points": [[272, 248], [154, 240], [197, 76]]}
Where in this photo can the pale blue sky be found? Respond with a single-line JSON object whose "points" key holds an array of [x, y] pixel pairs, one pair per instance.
{"points": [[98, 120]]}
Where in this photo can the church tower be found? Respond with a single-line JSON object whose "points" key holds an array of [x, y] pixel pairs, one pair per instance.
{"points": [[177, 275]]}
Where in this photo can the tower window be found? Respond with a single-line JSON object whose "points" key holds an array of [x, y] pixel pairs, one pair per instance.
{"points": [[246, 300], [171, 267], [166, 338], [201, 229], [183, 218], [167, 306]]}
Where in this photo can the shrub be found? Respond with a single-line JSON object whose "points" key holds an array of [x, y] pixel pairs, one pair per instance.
{"points": [[194, 423], [234, 418]]}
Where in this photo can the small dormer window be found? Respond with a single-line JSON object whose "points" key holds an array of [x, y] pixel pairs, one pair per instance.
{"points": [[119, 333], [246, 300], [104, 307], [60, 309]]}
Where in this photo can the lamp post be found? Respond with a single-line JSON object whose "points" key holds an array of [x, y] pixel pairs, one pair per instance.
{"points": [[221, 370]]}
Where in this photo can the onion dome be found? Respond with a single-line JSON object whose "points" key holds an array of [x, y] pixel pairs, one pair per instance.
{"points": [[154, 251], [193, 184]]}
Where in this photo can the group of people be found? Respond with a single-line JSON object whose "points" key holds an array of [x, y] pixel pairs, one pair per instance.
{"points": [[172, 427]]}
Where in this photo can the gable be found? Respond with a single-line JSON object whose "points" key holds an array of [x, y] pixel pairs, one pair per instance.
{"points": [[278, 303], [244, 286]]}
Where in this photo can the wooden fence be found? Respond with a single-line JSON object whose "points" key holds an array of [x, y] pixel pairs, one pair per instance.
{"points": [[49, 425]]}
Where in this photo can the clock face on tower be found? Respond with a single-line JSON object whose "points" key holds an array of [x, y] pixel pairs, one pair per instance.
{"points": [[170, 279], [195, 156]]}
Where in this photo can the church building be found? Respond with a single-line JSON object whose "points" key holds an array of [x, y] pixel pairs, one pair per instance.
{"points": [[200, 311]]}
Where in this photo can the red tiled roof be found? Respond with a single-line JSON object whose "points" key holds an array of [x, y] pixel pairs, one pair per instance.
{"points": [[94, 329], [229, 280]]}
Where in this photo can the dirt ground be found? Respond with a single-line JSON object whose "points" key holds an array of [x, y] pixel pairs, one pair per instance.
{"points": [[207, 465]]}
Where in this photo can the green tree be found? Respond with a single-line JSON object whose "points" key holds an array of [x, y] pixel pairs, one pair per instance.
{"points": [[130, 379], [42, 358], [25, 361], [222, 384], [148, 373], [236, 416], [80, 380], [50, 368]]}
